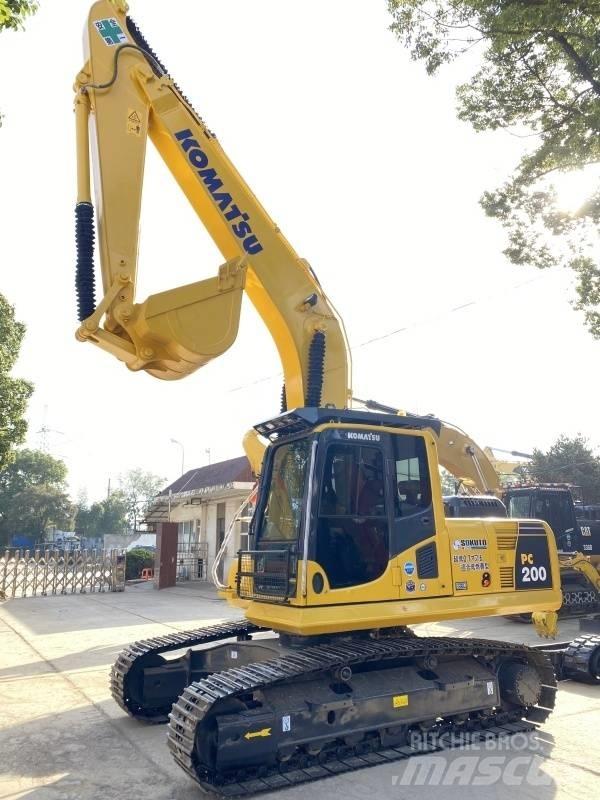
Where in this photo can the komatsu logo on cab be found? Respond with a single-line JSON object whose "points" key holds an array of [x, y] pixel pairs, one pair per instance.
{"points": [[363, 437], [238, 221]]}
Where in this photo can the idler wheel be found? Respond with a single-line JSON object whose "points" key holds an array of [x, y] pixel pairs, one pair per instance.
{"points": [[519, 683]]}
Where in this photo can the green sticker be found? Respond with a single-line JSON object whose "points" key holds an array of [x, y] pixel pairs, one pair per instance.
{"points": [[111, 31]]}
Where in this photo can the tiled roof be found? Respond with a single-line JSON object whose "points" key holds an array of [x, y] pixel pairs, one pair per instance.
{"points": [[231, 471]]}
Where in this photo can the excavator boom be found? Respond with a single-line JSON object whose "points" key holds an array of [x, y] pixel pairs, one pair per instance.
{"points": [[123, 96]]}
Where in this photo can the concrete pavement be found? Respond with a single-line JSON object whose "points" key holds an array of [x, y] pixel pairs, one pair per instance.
{"points": [[61, 735]]}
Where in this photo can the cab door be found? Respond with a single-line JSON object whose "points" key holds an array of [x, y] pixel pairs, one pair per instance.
{"points": [[352, 525], [419, 544]]}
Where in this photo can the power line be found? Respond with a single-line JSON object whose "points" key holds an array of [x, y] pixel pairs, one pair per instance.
{"points": [[411, 326]]}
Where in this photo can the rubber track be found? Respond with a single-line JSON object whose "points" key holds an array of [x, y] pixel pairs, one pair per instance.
{"points": [[199, 698], [134, 653], [577, 658]]}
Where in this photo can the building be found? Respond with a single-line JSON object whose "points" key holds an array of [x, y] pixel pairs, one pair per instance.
{"points": [[204, 502]]}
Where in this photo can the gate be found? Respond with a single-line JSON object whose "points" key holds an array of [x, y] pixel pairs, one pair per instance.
{"points": [[25, 573]]}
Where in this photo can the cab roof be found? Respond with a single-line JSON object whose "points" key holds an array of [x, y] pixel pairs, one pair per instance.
{"points": [[300, 420]]}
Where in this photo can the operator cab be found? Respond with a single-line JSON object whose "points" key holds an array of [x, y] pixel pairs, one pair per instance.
{"points": [[344, 490], [553, 504]]}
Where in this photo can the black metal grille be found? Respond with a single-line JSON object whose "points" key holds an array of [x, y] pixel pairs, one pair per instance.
{"points": [[267, 574], [427, 566]]}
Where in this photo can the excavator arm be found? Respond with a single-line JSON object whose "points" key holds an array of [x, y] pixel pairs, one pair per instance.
{"points": [[124, 96]]}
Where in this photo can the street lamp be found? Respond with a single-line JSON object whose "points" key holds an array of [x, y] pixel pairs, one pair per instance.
{"points": [[175, 441]]}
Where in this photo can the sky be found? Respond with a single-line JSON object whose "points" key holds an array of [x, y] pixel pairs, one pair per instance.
{"points": [[359, 158]]}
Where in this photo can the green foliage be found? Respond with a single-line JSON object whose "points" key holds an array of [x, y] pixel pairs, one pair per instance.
{"points": [[14, 392], [139, 488], [448, 482], [12, 16], [33, 495], [37, 507], [107, 516], [138, 559], [539, 75], [14, 12], [568, 461]]}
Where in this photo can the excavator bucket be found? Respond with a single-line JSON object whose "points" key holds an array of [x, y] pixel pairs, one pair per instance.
{"points": [[188, 326], [173, 333]]}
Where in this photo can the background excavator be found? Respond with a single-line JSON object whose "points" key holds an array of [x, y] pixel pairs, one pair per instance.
{"points": [[349, 539]]}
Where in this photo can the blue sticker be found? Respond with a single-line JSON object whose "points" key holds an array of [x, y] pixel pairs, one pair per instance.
{"points": [[410, 586], [409, 568]]}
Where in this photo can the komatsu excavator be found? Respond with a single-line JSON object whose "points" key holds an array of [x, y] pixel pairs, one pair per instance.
{"points": [[349, 540]]}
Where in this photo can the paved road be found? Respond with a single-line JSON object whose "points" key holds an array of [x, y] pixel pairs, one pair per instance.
{"points": [[61, 736]]}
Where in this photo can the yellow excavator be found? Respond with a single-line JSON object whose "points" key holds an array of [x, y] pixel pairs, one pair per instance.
{"points": [[350, 544]]}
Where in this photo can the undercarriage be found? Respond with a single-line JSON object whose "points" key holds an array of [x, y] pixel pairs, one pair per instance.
{"points": [[250, 711]]}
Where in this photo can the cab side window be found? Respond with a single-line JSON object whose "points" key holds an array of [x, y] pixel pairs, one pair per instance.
{"points": [[413, 487]]}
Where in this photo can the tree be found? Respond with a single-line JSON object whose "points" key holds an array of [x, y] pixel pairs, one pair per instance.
{"points": [[540, 77], [568, 461], [33, 495], [36, 508], [12, 16], [139, 488], [14, 392], [107, 516], [14, 12]]}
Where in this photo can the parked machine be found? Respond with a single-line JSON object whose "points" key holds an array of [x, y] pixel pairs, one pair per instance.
{"points": [[350, 543], [578, 542]]}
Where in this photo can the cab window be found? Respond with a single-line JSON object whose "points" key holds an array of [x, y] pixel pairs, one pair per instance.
{"points": [[283, 510], [413, 488], [519, 505]]}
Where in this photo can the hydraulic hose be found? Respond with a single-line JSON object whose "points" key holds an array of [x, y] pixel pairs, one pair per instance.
{"points": [[84, 274], [316, 370]]}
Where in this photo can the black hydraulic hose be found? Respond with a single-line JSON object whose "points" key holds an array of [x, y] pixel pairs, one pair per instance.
{"points": [[154, 61], [84, 274], [316, 369], [283, 400], [139, 38]]}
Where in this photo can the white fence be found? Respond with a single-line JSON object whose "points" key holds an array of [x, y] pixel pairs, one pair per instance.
{"points": [[27, 573]]}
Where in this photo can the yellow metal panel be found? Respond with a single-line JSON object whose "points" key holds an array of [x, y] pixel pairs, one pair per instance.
{"points": [[367, 616]]}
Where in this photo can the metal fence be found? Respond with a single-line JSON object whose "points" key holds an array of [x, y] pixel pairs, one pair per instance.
{"points": [[27, 573], [192, 561]]}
